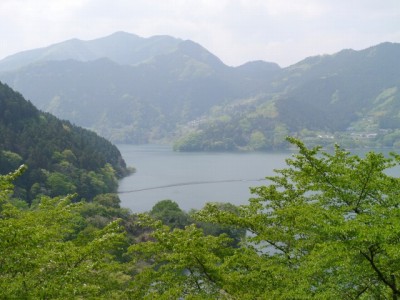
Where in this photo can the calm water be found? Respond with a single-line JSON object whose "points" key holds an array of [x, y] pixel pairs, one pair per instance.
{"points": [[192, 179]]}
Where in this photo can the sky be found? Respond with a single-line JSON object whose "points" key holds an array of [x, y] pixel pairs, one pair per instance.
{"points": [[237, 31]]}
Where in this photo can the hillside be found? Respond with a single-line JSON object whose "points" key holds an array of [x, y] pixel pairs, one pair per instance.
{"points": [[136, 98], [61, 158], [138, 90], [351, 97]]}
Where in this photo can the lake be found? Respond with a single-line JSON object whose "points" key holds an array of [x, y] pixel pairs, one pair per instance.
{"points": [[192, 179]]}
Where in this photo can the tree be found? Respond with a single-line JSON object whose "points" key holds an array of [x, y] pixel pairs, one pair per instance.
{"points": [[327, 227], [233, 232], [108, 200], [44, 256], [182, 263], [170, 214], [257, 140], [60, 184], [9, 161]]}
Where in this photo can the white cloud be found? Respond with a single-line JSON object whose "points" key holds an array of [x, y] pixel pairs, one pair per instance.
{"points": [[300, 9], [235, 30]]}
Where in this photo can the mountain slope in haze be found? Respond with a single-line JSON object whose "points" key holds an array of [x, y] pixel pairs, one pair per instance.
{"points": [[61, 158], [341, 87], [176, 88], [352, 97], [120, 47], [177, 82]]}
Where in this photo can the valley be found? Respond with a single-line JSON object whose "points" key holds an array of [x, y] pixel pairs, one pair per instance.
{"points": [[166, 90]]}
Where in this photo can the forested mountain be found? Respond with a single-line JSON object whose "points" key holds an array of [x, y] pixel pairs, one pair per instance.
{"points": [[352, 97], [339, 87], [61, 158], [135, 90], [162, 83]]}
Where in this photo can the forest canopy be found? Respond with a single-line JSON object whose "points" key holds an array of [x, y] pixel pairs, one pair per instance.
{"points": [[61, 158], [325, 227]]}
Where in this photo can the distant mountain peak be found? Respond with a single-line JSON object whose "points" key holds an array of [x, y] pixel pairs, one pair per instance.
{"points": [[260, 65], [135, 89], [123, 33], [117, 36], [198, 52], [120, 47]]}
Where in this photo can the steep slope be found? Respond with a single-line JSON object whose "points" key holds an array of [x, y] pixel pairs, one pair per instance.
{"points": [[61, 158]]}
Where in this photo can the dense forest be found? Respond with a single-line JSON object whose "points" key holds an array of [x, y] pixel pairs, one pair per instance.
{"points": [[326, 227], [61, 158]]}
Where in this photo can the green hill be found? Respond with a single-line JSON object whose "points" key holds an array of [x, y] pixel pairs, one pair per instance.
{"points": [[61, 157]]}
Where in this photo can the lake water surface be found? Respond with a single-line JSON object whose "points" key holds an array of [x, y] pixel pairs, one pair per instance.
{"points": [[192, 179], [195, 178]]}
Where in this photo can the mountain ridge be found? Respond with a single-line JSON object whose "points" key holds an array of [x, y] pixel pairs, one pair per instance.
{"points": [[180, 87], [120, 47]]}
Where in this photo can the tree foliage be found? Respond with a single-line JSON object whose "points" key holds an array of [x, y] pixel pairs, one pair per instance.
{"points": [[62, 158], [253, 132], [44, 255], [170, 214], [327, 227]]}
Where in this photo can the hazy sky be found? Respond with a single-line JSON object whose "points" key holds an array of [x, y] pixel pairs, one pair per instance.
{"points": [[282, 31]]}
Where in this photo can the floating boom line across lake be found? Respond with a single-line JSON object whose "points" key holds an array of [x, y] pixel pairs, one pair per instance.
{"points": [[188, 183]]}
